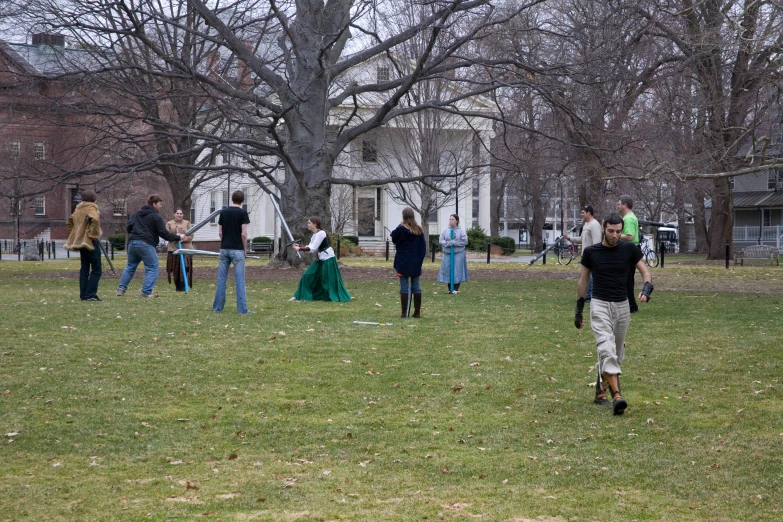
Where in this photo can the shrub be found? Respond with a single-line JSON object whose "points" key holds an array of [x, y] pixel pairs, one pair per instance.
{"points": [[435, 243], [506, 243], [477, 239], [117, 240], [261, 239], [353, 239]]}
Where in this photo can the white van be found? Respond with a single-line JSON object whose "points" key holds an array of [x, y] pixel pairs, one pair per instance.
{"points": [[669, 237]]}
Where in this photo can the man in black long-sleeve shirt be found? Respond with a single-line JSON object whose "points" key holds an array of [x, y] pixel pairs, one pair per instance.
{"points": [[145, 228]]}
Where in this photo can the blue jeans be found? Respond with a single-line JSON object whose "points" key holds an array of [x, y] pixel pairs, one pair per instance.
{"points": [[414, 285], [237, 257], [141, 252]]}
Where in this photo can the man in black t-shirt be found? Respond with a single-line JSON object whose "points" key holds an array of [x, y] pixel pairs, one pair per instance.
{"points": [[232, 228], [609, 263]]}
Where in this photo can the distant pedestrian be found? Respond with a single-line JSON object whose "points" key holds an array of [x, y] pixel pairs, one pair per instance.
{"points": [[232, 229], [411, 249], [145, 228], [453, 241], [322, 280], [174, 263], [630, 233], [84, 233], [591, 235]]}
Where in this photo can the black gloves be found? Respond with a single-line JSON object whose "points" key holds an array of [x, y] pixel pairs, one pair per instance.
{"points": [[580, 306], [647, 289]]}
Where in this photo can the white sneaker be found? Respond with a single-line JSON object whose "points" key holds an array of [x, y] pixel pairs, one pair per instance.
{"points": [[293, 299]]}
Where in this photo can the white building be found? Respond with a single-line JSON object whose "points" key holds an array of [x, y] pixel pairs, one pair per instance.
{"points": [[391, 151]]}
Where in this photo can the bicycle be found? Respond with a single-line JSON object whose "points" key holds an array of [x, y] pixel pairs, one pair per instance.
{"points": [[565, 253], [650, 257]]}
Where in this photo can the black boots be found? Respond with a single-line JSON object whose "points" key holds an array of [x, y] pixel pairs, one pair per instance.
{"points": [[404, 303]]}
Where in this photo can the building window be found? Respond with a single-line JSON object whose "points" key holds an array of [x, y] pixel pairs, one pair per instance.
{"points": [[15, 204], [39, 204], [192, 215], [226, 157], [382, 73], [39, 151], [378, 194], [14, 148], [775, 180], [213, 204], [118, 209], [369, 151], [731, 183]]}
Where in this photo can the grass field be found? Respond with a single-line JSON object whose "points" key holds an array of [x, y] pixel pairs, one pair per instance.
{"points": [[132, 409]]}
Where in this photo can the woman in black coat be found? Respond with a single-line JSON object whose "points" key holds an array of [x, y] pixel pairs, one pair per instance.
{"points": [[411, 246]]}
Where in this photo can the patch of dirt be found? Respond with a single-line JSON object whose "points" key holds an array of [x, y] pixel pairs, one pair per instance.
{"points": [[743, 280]]}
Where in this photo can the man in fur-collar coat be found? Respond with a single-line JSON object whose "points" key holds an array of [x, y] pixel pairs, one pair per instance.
{"points": [[84, 227]]}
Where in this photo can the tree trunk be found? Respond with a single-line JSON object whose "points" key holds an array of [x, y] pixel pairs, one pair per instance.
{"points": [[721, 230], [700, 223]]}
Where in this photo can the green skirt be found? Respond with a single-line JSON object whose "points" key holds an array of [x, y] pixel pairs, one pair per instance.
{"points": [[322, 282]]}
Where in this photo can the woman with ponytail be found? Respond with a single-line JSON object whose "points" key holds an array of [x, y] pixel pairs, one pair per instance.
{"points": [[411, 248]]}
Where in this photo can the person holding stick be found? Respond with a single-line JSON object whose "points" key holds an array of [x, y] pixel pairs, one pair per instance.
{"points": [[322, 280], [145, 228], [232, 229], [454, 268], [84, 232], [411, 249], [174, 263], [609, 262]]}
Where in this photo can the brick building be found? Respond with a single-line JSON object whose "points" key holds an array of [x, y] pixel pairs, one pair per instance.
{"points": [[45, 143]]}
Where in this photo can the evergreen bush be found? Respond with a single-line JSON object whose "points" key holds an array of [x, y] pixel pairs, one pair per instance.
{"points": [[117, 240], [477, 239]]}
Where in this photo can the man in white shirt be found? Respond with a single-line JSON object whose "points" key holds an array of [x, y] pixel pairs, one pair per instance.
{"points": [[591, 232]]}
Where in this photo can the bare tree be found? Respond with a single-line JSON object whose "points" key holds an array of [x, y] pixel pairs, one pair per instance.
{"points": [[732, 52], [305, 108]]}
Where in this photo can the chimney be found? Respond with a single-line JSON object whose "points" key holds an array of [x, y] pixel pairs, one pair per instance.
{"points": [[51, 40]]}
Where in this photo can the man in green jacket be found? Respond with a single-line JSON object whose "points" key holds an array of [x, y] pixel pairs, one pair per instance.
{"points": [[629, 233]]}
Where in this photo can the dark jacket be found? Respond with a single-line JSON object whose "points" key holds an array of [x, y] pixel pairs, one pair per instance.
{"points": [[147, 225], [411, 251]]}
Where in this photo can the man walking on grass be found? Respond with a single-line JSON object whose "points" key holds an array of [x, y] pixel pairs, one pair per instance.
{"points": [[609, 262], [629, 233], [232, 228]]}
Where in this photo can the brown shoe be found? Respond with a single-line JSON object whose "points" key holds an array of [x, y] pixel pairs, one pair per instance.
{"points": [[600, 393], [618, 403]]}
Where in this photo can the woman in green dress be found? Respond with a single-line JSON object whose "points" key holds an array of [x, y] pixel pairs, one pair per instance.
{"points": [[321, 281]]}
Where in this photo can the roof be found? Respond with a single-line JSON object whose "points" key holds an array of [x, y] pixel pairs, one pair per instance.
{"points": [[755, 199], [46, 60]]}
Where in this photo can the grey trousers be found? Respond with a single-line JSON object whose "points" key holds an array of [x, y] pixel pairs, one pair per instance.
{"points": [[610, 322]]}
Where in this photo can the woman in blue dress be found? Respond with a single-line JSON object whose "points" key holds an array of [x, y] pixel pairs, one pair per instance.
{"points": [[453, 241], [321, 281], [411, 249]]}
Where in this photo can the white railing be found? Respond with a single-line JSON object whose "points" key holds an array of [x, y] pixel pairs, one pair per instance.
{"points": [[769, 235]]}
